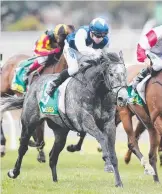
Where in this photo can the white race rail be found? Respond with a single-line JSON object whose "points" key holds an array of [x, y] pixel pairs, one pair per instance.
{"points": [[12, 130]]}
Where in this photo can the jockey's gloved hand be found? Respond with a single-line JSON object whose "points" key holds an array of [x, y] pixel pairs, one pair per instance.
{"points": [[97, 55]]}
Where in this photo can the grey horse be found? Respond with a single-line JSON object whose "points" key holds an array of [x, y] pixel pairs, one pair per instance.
{"points": [[90, 104]]}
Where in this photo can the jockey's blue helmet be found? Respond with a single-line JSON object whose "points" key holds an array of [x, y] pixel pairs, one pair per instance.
{"points": [[99, 26]]}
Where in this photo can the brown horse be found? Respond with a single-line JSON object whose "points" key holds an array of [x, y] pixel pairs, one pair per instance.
{"points": [[146, 115], [7, 74], [138, 133], [153, 100]]}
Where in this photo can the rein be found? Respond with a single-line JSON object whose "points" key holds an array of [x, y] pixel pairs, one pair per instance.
{"points": [[157, 82], [84, 84]]}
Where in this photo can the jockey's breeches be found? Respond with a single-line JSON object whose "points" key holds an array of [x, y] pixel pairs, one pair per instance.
{"points": [[71, 58], [157, 66]]}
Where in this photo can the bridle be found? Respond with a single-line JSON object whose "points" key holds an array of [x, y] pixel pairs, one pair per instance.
{"points": [[110, 88], [110, 85]]}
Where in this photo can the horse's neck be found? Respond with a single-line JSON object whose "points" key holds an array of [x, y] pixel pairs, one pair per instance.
{"points": [[90, 78], [157, 77]]}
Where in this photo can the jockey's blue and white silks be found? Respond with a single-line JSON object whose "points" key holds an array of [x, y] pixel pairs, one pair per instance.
{"points": [[83, 33], [84, 42]]}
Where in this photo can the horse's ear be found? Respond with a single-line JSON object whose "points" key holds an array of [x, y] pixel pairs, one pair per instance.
{"points": [[1, 56], [121, 56]]}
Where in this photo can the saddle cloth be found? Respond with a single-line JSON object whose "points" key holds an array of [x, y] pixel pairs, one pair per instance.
{"points": [[51, 105], [141, 87]]}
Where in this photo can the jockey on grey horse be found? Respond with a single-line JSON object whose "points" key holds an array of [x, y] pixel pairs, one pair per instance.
{"points": [[90, 105], [87, 40]]}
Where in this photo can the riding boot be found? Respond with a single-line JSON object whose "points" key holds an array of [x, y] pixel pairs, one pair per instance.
{"points": [[142, 74], [55, 83]]}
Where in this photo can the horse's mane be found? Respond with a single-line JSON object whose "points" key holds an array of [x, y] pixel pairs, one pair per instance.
{"points": [[112, 56], [108, 57]]}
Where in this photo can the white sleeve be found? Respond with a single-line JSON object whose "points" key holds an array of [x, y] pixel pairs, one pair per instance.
{"points": [[80, 43], [158, 31]]}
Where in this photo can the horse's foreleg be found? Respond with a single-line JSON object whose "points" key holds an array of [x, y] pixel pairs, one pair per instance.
{"points": [[3, 141], [91, 128], [139, 130], [154, 142], [160, 151], [110, 129], [77, 147], [133, 144], [25, 136], [157, 119], [126, 118]]}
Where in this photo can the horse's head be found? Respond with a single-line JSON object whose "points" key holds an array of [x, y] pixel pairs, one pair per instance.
{"points": [[115, 77], [109, 69]]}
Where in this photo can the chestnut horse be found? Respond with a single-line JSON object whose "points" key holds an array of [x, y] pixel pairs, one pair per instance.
{"points": [[6, 77], [152, 95], [149, 115]]}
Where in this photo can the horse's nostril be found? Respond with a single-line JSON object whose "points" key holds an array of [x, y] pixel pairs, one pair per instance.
{"points": [[120, 98]]}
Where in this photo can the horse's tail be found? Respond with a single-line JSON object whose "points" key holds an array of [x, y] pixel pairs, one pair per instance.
{"points": [[11, 103]]}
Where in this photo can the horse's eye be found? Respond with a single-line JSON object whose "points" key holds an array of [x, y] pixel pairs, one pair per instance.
{"points": [[111, 74]]}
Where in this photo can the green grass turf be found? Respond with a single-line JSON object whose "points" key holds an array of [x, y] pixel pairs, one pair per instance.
{"points": [[78, 173]]}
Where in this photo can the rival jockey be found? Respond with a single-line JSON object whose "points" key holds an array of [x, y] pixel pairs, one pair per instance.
{"points": [[151, 41], [50, 43], [87, 40]]}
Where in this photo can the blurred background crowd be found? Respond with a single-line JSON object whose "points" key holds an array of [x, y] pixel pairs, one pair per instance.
{"points": [[26, 20], [38, 15]]}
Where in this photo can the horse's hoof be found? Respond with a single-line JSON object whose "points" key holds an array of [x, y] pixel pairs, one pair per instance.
{"points": [[127, 160], [109, 168], [157, 181], [41, 157], [32, 144], [119, 185], [149, 170], [99, 149], [12, 175], [72, 148], [2, 154], [2, 150]]}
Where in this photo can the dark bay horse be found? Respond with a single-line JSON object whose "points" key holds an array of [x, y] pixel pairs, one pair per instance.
{"points": [[90, 104], [6, 77], [125, 114]]}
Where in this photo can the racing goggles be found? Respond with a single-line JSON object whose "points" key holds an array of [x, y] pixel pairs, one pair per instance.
{"points": [[99, 35]]}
